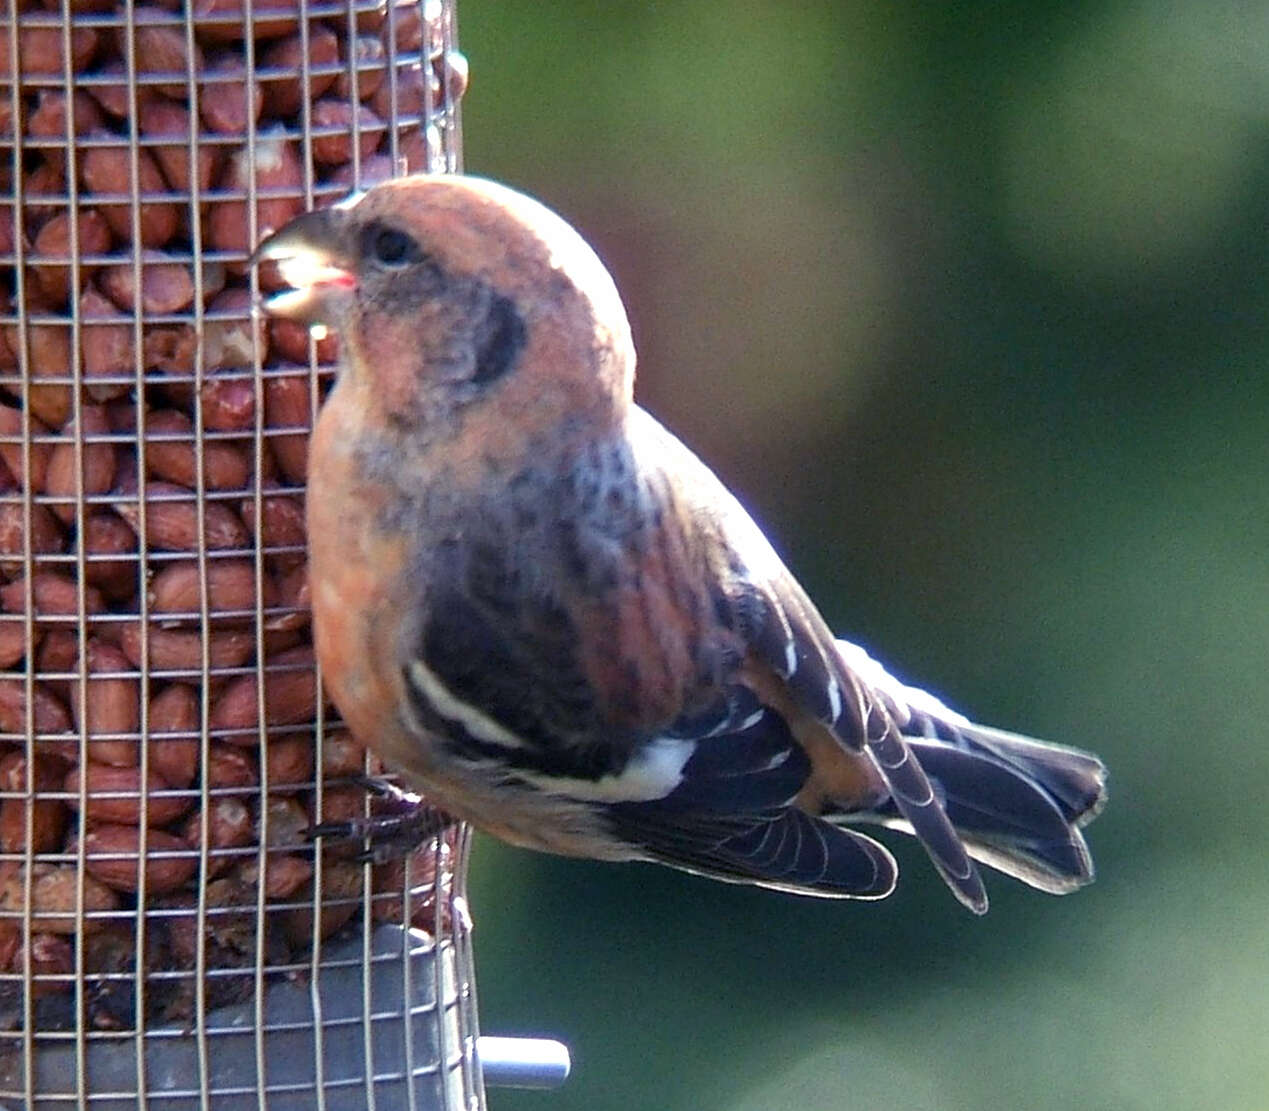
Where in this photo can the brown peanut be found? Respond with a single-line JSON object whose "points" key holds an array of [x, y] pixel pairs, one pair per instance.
{"points": [[106, 171], [228, 403], [225, 105], [13, 640], [283, 823], [388, 881], [366, 57], [102, 536], [160, 50], [229, 826], [44, 193], [92, 473], [170, 347], [116, 795], [11, 433], [288, 762], [55, 896], [283, 92], [181, 650], [40, 50], [170, 454], [106, 346], [287, 401], [280, 532], [166, 287], [290, 697], [172, 734], [107, 707], [177, 590], [48, 120], [110, 89], [294, 604], [53, 594], [230, 767], [52, 964], [48, 356], [54, 240], [333, 136], [44, 714], [279, 178], [171, 520], [227, 332], [342, 893], [219, 21], [112, 855], [284, 875], [46, 534], [288, 340], [342, 756], [47, 816], [159, 117]]}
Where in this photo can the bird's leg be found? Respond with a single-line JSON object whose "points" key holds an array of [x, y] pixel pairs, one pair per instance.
{"points": [[401, 823]]}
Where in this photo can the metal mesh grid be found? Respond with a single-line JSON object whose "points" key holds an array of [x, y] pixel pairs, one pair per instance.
{"points": [[153, 606]]}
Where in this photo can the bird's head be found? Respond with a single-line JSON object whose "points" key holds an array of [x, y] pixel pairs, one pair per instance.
{"points": [[446, 291]]}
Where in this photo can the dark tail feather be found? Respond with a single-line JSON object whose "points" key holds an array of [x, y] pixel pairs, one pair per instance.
{"points": [[1018, 804]]}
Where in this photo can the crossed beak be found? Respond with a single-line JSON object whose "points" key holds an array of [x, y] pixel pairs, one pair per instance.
{"points": [[313, 258]]}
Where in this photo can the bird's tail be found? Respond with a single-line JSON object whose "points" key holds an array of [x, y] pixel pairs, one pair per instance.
{"points": [[1018, 804]]}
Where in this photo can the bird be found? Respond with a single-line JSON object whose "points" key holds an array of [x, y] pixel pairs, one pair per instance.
{"points": [[551, 619]]}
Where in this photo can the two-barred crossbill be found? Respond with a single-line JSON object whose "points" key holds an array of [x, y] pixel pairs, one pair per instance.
{"points": [[551, 618]]}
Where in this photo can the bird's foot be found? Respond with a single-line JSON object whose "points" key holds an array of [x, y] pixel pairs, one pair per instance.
{"points": [[401, 823]]}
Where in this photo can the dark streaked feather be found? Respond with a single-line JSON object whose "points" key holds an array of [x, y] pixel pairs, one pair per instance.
{"points": [[785, 849], [752, 767], [510, 652], [730, 815]]}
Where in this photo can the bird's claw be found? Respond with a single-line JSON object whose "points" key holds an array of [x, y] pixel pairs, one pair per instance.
{"points": [[409, 822]]}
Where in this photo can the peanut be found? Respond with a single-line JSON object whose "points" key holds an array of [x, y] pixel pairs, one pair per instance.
{"points": [[229, 826], [223, 102], [231, 590], [116, 795], [102, 536], [112, 855], [333, 136], [107, 348], [92, 473], [47, 816], [160, 51], [181, 650], [288, 762], [290, 697], [46, 534], [11, 434], [230, 767], [106, 171], [162, 118], [54, 240], [166, 287], [171, 520], [107, 707], [172, 734], [170, 454], [55, 896], [282, 93]]}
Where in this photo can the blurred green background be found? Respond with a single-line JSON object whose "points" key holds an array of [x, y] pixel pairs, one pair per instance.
{"points": [[969, 303]]}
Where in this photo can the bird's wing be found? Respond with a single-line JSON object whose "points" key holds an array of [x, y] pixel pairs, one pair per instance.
{"points": [[793, 652], [731, 814]]}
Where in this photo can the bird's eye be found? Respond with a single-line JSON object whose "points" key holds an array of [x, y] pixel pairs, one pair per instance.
{"points": [[392, 247]]}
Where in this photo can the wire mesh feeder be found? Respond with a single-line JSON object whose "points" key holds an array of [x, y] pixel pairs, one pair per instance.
{"points": [[168, 937]]}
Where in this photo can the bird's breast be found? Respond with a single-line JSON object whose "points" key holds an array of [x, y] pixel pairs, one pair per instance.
{"points": [[356, 568]]}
